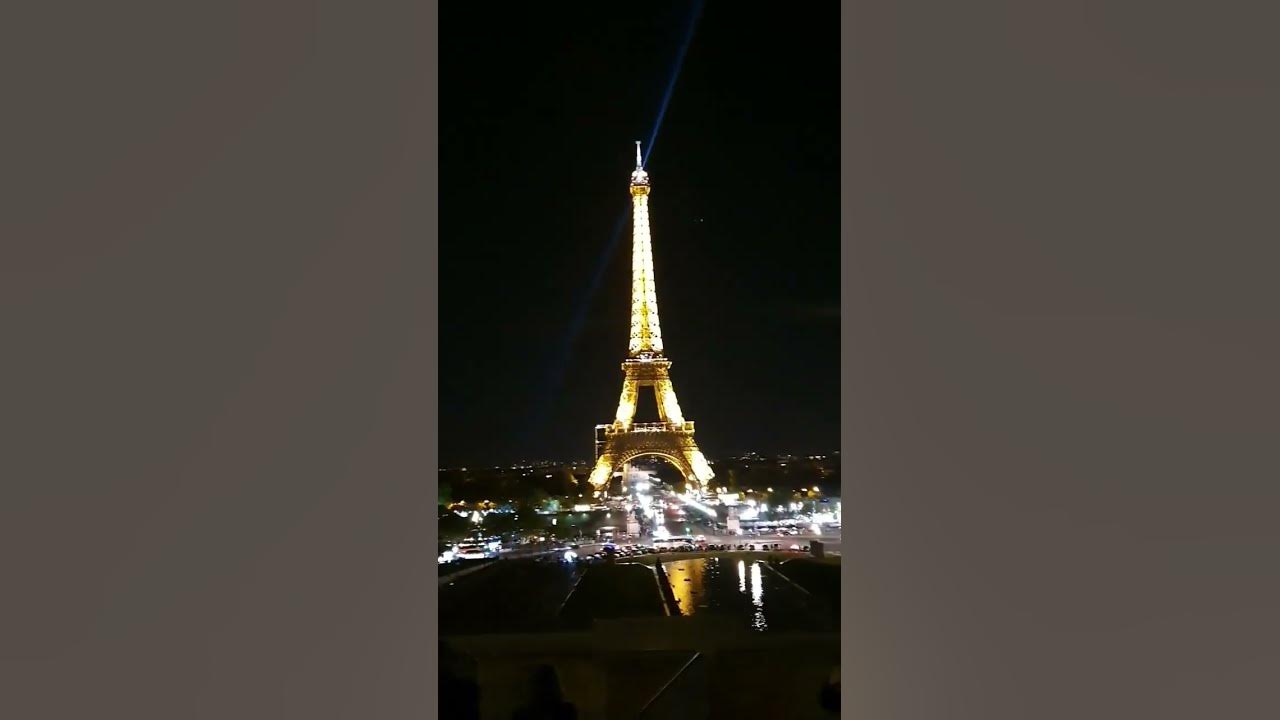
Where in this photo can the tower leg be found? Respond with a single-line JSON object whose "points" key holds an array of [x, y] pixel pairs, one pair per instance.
{"points": [[702, 473], [668, 406], [603, 471], [627, 401]]}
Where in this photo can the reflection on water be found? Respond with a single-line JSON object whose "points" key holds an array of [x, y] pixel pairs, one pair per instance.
{"points": [[763, 600], [757, 598], [757, 592], [686, 578]]}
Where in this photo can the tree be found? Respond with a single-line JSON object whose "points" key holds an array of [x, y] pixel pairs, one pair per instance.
{"points": [[559, 529], [535, 497], [780, 498], [565, 483], [453, 527], [498, 523]]}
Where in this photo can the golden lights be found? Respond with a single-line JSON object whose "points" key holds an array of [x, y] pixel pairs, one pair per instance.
{"points": [[646, 331], [645, 367]]}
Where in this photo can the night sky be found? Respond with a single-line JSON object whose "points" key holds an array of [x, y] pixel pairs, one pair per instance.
{"points": [[540, 106]]}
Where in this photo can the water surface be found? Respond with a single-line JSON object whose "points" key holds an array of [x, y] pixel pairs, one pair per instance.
{"points": [[744, 589]]}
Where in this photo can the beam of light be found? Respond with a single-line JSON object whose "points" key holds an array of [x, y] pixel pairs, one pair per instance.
{"points": [[694, 14], [559, 362]]}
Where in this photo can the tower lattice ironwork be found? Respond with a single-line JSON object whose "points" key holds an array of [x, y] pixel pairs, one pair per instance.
{"points": [[623, 440]]}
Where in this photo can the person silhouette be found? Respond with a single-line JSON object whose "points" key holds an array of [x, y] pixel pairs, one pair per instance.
{"points": [[547, 702]]}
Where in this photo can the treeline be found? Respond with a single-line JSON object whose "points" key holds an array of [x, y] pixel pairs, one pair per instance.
{"points": [[794, 476], [529, 487], [503, 485], [560, 525]]}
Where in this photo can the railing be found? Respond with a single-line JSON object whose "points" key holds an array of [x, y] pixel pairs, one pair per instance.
{"points": [[684, 427]]}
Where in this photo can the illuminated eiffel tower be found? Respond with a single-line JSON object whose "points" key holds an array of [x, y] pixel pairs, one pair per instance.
{"points": [[671, 439]]}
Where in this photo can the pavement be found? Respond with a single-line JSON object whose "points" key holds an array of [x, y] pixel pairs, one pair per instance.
{"points": [[508, 596], [616, 667]]}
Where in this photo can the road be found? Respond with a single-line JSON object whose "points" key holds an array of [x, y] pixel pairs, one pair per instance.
{"points": [[830, 542]]}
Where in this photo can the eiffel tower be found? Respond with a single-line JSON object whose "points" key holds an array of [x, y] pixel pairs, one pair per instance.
{"points": [[623, 440]]}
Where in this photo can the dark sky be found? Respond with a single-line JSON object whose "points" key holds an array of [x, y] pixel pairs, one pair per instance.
{"points": [[539, 107]]}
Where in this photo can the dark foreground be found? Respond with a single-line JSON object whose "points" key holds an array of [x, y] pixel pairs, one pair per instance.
{"points": [[746, 638]]}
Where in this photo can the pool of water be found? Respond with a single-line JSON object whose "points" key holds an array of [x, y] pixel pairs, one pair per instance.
{"points": [[743, 589]]}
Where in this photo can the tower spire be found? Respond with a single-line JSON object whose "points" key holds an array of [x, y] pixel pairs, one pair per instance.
{"points": [[639, 178]]}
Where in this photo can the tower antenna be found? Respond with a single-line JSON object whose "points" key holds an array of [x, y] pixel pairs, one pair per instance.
{"points": [[639, 162]]}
